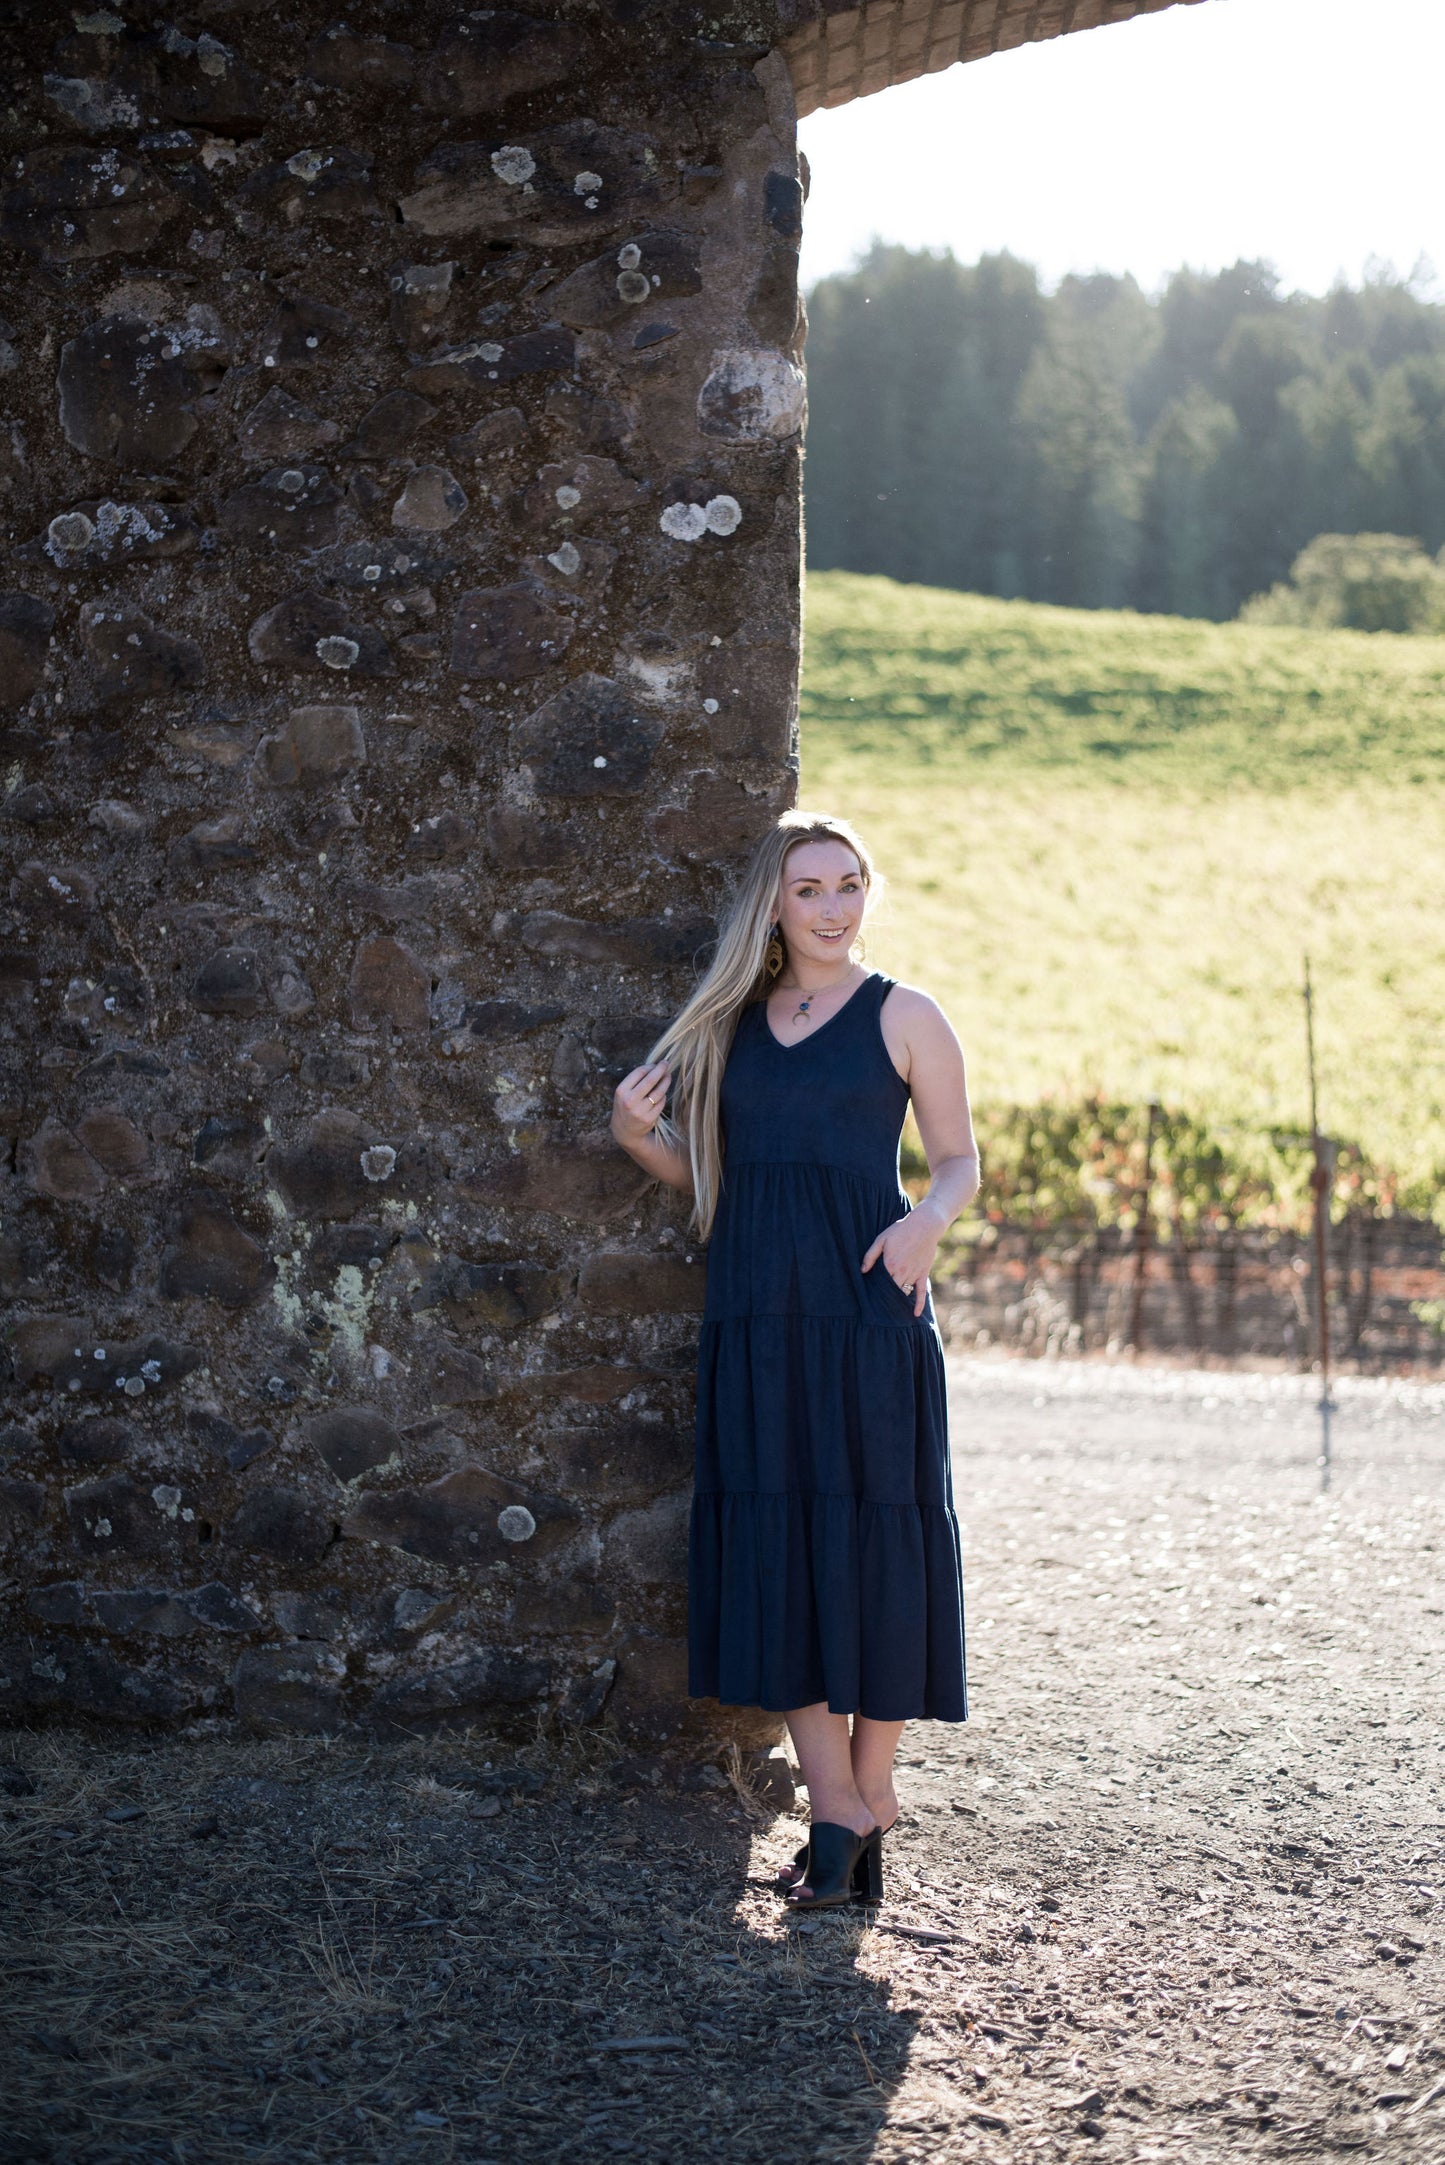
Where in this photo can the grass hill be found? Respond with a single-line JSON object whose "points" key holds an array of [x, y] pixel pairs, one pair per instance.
{"points": [[1110, 838]]}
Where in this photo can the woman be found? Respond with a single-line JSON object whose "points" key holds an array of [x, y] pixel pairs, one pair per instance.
{"points": [[824, 1563]]}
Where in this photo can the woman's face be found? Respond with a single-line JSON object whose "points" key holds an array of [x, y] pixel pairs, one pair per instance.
{"points": [[821, 901]]}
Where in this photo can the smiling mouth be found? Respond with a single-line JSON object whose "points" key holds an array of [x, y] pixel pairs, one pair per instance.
{"points": [[839, 935]]}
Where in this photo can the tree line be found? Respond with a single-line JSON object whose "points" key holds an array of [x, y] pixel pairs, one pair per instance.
{"points": [[1101, 448]]}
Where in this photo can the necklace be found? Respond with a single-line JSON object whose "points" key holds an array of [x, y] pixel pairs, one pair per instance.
{"points": [[801, 1013]]}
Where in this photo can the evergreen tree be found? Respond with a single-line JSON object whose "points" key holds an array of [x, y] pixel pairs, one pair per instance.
{"points": [[1095, 446], [1080, 479], [1183, 518]]}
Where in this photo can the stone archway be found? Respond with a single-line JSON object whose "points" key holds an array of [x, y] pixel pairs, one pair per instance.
{"points": [[399, 445], [836, 54]]}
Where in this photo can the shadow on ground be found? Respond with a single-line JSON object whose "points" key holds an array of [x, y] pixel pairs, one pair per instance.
{"points": [[295, 1951]]}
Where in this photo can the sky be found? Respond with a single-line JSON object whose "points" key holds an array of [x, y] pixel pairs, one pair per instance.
{"points": [[1235, 128]]}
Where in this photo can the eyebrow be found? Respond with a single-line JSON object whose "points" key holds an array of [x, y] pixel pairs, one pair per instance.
{"points": [[815, 879]]}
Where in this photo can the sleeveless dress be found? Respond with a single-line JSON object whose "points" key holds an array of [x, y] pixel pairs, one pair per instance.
{"points": [[823, 1553]]}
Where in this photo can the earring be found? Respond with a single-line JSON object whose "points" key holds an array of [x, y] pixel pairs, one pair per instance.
{"points": [[773, 953]]}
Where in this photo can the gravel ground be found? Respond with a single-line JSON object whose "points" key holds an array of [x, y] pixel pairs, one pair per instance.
{"points": [[1171, 1894]]}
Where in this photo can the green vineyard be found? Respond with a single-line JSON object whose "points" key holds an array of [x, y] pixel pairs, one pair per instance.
{"points": [[1108, 842]]}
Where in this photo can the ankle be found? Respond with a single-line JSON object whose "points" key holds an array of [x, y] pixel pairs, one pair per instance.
{"points": [[881, 1801], [843, 1809]]}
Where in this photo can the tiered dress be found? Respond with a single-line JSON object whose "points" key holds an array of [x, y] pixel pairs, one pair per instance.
{"points": [[824, 1554]]}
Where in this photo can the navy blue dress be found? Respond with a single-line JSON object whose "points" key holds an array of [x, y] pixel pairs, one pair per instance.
{"points": [[824, 1557]]}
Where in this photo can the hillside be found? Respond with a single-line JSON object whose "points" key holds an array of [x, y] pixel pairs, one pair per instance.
{"points": [[1109, 839]]}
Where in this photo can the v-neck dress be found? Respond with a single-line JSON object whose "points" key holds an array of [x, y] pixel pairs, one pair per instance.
{"points": [[824, 1553]]}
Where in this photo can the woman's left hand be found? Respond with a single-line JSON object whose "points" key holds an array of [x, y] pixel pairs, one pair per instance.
{"points": [[907, 1249]]}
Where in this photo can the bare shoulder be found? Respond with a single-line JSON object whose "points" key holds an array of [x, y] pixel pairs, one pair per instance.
{"points": [[917, 1033], [917, 1014]]}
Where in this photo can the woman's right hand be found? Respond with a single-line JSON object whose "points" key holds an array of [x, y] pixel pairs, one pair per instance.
{"points": [[638, 1101]]}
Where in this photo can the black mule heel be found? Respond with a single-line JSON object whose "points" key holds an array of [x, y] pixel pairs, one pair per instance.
{"points": [[790, 1875], [833, 1857], [868, 1871]]}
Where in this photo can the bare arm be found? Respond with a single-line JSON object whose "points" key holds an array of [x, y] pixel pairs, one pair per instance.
{"points": [[930, 1058], [939, 1084], [637, 1106]]}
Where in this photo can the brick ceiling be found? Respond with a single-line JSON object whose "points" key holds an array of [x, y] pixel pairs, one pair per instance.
{"points": [[843, 52]]}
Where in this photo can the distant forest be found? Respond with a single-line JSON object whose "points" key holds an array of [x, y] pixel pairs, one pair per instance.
{"points": [[1102, 449]]}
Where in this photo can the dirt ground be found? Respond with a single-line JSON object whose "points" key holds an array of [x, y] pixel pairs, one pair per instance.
{"points": [[1173, 1893]]}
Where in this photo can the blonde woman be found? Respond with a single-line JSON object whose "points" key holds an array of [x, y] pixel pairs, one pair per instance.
{"points": [[824, 1578]]}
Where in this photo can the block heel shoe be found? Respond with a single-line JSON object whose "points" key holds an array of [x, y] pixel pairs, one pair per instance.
{"points": [[840, 1867], [868, 1882], [868, 1871]]}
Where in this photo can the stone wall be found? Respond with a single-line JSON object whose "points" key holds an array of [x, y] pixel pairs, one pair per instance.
{"points": [[399, 456], [399, 446]]}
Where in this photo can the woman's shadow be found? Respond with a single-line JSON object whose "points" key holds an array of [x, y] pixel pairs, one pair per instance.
{"points": [[722, 2021]]}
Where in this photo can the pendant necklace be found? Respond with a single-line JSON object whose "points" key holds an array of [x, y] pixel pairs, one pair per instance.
{"points": [[800, 1012]]}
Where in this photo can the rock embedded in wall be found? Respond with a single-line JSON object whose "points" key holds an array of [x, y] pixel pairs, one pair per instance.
{"points": [[292, 507], [70, 206], [132, 658], [114, 76], [560, 186], [398, 660], [212, 1257], [315, 745], [497, 55], [280, 425], [26, 623], [387, 429], [128, 392], [585, 741]]}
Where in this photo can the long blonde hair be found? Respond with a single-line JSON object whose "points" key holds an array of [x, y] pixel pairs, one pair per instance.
{"points": [[697, 1043]]}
